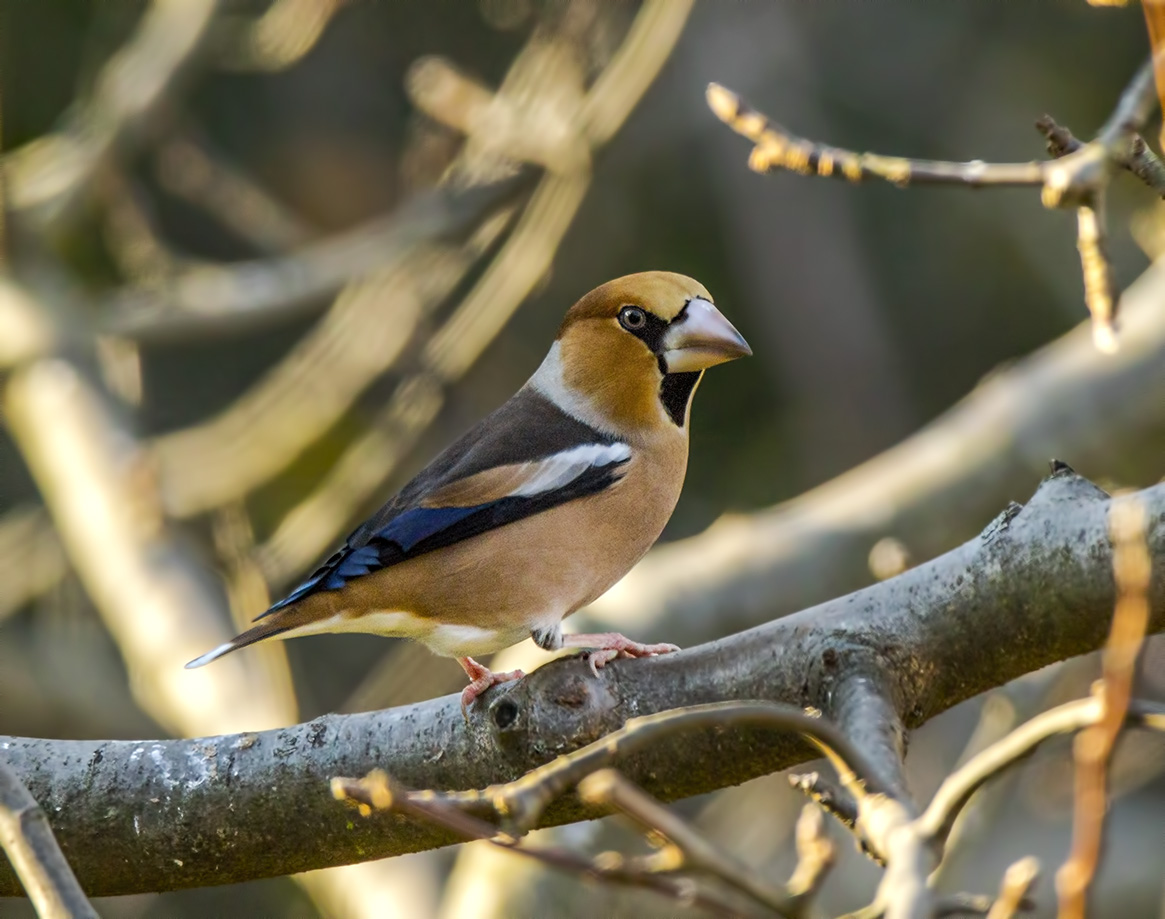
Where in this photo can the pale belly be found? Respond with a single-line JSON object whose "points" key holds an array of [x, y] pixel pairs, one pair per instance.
{"points": [[444, 639]]}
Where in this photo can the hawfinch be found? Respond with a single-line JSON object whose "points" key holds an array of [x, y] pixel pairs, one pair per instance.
{"points": [[543, 505]]}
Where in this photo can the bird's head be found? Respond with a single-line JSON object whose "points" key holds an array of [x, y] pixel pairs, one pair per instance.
{"points": [[630, 354]]}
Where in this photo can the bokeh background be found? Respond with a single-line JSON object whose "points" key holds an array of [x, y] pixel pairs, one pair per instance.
{"points": [[870, 309]]}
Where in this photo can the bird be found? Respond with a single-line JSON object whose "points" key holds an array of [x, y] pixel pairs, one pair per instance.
{"points": [[543, 505]]}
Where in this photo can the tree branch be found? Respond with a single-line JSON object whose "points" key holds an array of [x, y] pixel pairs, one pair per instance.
{"points": [[1132, 567], [608, 788], [379, 792], [227, 297], [1034, 588], [48, 178], [36, 858], [1077, 179]]}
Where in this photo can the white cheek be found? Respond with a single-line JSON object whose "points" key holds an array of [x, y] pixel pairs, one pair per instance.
{"points": [[548, 381]]}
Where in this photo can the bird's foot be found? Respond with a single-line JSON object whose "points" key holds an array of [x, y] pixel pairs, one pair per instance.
{"points": [[607, 646], [481, 678]]}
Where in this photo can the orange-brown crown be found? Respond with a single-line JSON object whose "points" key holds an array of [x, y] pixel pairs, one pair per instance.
{"points": [[661, 293]]}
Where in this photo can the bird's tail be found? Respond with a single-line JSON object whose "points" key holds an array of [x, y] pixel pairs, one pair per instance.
{"points": [[267, 629]]}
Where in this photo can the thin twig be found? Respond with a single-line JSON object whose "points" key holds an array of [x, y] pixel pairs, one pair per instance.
{"points": [[1017, 881], [28, 842], [1139, 159], [958, 787], [48, 179], [217, 298], [608, 788], [190, 169], [1077, 179], [815, 856], [830, 797], [778, 148], [378, 791], [1132, 568], [1100, 289], [521, 802]]}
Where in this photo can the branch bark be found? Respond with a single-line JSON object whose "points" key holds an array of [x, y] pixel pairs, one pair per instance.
{"points": [[1035, 587]]}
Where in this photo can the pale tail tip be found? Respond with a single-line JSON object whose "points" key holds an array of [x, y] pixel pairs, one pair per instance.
{"points": [[210, 656]]}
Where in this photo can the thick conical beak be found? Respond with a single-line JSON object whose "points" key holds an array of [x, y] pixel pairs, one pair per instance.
{"points": [[700, 338]]}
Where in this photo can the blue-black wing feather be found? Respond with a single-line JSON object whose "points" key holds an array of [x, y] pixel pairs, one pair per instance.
{"points": [[403, 529]]}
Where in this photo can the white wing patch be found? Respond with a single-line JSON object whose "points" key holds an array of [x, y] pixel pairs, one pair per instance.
{"points": [[563, 468], [529, 479]]}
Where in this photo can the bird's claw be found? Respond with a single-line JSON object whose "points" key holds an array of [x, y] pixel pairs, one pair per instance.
{"points": [[618, 646], [481, 679]]}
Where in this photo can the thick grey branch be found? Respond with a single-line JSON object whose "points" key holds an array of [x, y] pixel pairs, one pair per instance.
{"points": [[1034, 588]]}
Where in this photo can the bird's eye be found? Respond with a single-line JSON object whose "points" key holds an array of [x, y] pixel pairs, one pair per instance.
{"points": [[632, 318]]}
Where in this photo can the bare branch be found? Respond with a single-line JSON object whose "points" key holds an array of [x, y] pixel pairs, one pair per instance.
{"points": [[521, 803], [1132, 568], [830, 797], [957, 789], [279, 38], [36, 858], [862, 705], [778, 148], [214, 298], [188, 168], [48, 178], [1140, 160], [1017, 881], [378, 791], [220, 801], [1078, 179], [158, 608], [31, 558], [607, 788]]}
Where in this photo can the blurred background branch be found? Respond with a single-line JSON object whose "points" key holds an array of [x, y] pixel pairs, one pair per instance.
{"points": [[48, 180]]}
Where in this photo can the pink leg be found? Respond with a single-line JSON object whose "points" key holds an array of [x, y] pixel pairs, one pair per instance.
{"points": [[606, 646], [481, 678]]}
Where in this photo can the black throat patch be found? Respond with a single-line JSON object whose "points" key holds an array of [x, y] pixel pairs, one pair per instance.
{"points": [[675, 392]]}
